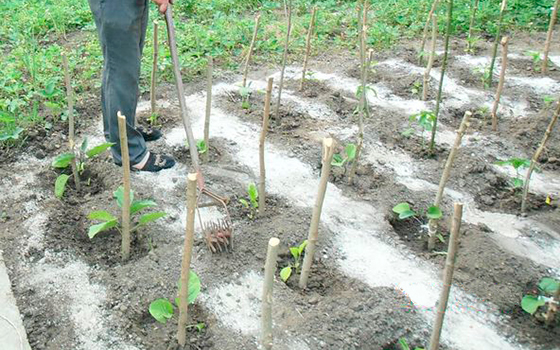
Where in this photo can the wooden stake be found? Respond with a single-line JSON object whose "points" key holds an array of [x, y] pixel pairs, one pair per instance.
{"points": [[186, 263], [430, 60], [447, 275], [269, 271], [288, 9], [125, 159], [328, 152], [496, 40], [208, 108], [500, 83], [426, 26], [154, 70], [71, 140], [536, 156], [552, 308], [433, 223], [251, 47], [553, 17], [262, 180], [307, 46], [471, 25]]}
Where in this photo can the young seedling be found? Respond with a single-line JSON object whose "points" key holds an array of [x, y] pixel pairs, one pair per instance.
{"points": [[416, 88], [536, 58], [425, 119], [154, 75], [548, 100], [201, 147], [548, 293], [500, 83], [252, 202], [81, 158], [426, 77], [307, 47], [269, 272], [471, 38], [162, 309], [288, 10], [553, 17], [339, 160], [471, 44], [108, 221], [251, 47], [9, 131], [516, 182], [425, 32], [484, 73], [404, 345], [297, 253], [208, 106], [496, 41], [262, 177], [245, 92]]}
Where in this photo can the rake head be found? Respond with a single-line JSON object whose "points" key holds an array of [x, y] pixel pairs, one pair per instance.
{"points": [[218, 233]]}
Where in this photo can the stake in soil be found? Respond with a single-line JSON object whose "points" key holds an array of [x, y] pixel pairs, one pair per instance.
{"points": [[269, 272], [426, 27], [288, 9], [426, 79], [187, 255], [328, 152], [208, 109], [71, 139], [154, 71], [266, 115], [307, 46], [496, 41], [500, 83], [471, 27], [125, 245], [251, 47], [553, 17], [447, 275]]}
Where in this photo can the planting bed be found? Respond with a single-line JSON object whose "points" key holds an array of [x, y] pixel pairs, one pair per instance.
{"points": [[373, 281]]}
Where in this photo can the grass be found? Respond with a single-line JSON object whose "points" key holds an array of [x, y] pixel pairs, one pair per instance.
{"points": [[31, 84]]}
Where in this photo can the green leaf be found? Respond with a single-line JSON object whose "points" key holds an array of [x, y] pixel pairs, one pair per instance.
{"points": [[302, 246], [403, 344], [434, 212], [62, 161], [401, 207], [84, 145], [101, 215], [407, 132], [104, 226], [244, 202], [516, 182], [161, 310], [99, 149], [147, 218], [194, 288], [440, 237], [549, 285], [119, 196], [60, 185], [295, 252], [350, 151], [531, 303], [245, 105], [285, 273], [201, 146], [337, 160], [407, 214], [253, 194], [138, 205]]}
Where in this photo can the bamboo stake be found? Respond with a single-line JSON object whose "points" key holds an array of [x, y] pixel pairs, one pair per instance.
{"points": [[433, 223], [71, 140], [262, 180], [251, 47], [536, 156], [154, 70], [288, 9], [495, 48], [426, 27], [328, 152], [208, 108], [125, 158], [269, 271], [186, 263], [471, 25], [553, 17], [447, 275], [430, 60], [307, 47], [443, 67], [500, 83], [552, 308]]}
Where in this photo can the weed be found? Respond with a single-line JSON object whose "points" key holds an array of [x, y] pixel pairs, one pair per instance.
{"points": [[516, 182], [536, 58], [162, 309], [425, 120], [546, 289], [108, 221], [252, 204], [339, 160], [201, 147], [297, 253]]}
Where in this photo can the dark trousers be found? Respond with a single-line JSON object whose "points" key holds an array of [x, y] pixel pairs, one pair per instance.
{"points": [[121, 25]]}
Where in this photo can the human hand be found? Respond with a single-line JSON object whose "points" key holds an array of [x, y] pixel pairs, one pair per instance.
{"points": [[162, 4]]}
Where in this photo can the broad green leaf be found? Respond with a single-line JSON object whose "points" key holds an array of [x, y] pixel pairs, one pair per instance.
{"points": [[104, 226], [245, 105], [403, 344], [62, 161], [119, 196], [99, 149], [434, 212], [350, 151], [285, 273], [531, 303], [84, 145], [136, 206], [407, 214], [295, 252], [302, 246], [194, 288], [101, 215], [253, 192], [6, 118], [60, 185], [401, 207], [549, 285], [161, 310], [147, 218]]}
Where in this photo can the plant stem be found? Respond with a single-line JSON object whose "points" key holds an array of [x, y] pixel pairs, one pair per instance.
{"points": [[251, 47], [307, 46], [186, 263], [536, 156], [430, 60], [71, 140], [447, 275], [553, 17], [433, 223], [443, 67], [154, 70], [208, 108], [496, 40], [269, 272], [262, 180], [471, 25], [500, 83], [288, 8], [552, 308], [328, 152], [435, 3], [125, 157]]}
